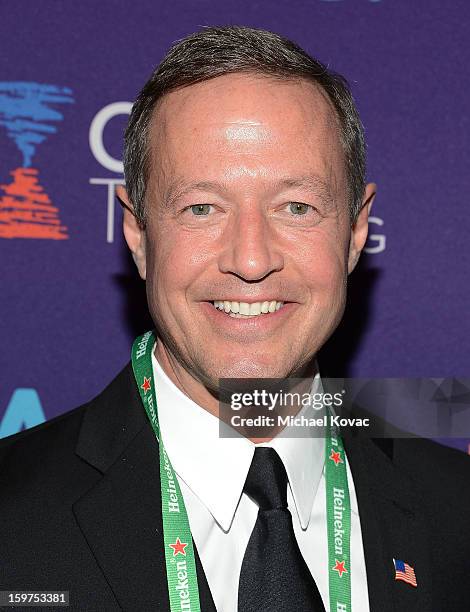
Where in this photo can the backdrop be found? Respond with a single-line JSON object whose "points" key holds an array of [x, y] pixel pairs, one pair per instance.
{"points": [[71, 301]]}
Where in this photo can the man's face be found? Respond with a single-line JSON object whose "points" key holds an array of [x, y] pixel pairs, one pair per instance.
{"points": [[246, 203]]}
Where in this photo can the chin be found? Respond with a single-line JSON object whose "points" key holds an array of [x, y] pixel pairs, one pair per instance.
{"points": [[248, 368]]}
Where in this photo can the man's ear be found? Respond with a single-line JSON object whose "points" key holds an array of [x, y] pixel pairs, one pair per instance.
{"points": [[133, 232], [360, 228]]}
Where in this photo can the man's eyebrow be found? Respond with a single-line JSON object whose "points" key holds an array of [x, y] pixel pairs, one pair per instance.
{"points": [[313, 183], [179, 188]]}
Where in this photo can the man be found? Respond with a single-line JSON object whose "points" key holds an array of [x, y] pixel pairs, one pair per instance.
{"points": [[245, 210]]}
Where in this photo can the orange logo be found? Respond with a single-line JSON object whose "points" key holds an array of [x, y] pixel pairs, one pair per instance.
{"points": [[29, 114]]}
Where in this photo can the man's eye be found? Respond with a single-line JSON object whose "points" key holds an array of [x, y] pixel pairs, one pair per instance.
{"points": [[200, 209], [297, 208]]}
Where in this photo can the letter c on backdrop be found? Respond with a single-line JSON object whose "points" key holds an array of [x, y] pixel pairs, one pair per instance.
{"points": [[95, 136]]}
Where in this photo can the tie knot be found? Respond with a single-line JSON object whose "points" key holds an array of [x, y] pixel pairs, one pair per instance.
{"points": [[266, 482]]}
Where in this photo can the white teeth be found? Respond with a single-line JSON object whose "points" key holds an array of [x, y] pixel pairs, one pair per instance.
{"points": [[244, 309], [255, 308]]}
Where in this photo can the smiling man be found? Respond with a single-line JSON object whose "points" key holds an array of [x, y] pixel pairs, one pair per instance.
{"points": [[247, 240], [245, 210]]}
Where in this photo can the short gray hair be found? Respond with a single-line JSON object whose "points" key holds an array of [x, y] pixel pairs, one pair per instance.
{"points": [[216, 51]]}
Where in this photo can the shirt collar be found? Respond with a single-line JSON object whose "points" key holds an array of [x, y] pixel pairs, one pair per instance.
{"points": [[215, 467]]}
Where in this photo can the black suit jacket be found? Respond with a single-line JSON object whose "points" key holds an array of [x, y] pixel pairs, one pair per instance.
{"points": [[80, 511]]}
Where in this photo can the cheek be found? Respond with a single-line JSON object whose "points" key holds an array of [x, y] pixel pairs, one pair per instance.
{"points": [[175, 260], [324, 266], [326, 277]]}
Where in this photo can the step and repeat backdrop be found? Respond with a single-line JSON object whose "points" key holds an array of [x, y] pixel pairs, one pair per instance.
{"points": [[71, 301]]}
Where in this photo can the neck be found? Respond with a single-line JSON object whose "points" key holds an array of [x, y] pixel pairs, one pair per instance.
{"points": [[207, 399], [185, 382]]}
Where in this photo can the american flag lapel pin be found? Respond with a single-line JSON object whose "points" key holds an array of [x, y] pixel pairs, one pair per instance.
{"points": [[405, 572]]}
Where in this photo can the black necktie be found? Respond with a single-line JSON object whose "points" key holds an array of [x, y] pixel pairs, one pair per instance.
{"points": [[274, 576]]}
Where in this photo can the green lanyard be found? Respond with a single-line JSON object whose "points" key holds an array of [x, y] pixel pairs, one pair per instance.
{"points": [[181, 573]]}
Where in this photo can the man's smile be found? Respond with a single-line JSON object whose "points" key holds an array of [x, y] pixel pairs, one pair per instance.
{"points": [[256, 319], [246, 309]]}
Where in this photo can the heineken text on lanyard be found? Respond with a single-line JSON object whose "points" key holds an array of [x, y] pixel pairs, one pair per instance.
{"points": [[179, 552]]}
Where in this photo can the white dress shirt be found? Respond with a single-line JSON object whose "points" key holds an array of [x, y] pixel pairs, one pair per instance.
{"points": [[211, 472]]}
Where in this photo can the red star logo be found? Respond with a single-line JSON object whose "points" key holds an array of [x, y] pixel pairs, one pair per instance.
{"points": [[336, 457], [339, 567], [146, 385], [178, 547]]}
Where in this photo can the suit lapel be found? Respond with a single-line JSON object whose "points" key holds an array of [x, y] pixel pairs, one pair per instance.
{"points": [[120, 516], [392, 528]]}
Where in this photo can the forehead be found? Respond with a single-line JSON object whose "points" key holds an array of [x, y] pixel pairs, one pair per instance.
{"points": [[254, 118]]}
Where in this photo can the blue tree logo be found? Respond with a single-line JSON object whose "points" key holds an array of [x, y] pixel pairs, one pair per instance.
{"points": [[29, 115]]}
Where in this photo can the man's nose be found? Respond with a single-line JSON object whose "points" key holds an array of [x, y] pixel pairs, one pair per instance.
{"points": [[250, 248]]}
